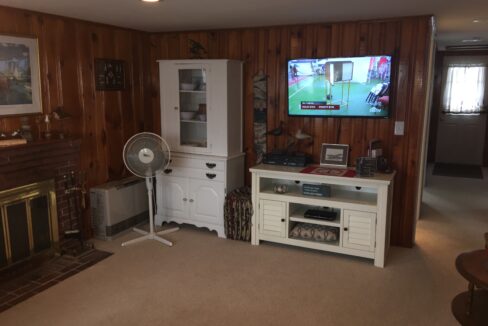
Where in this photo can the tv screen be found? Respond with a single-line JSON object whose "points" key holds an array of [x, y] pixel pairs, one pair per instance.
{"points": [[340, 87]]}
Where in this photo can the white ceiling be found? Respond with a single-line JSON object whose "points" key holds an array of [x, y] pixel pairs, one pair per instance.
{"points": [[454, 17]]}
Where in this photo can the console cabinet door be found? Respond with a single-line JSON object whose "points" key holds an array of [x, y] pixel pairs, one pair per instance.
{"points": [[272, 218], [359, 230], [207, 201], [173, 191]]}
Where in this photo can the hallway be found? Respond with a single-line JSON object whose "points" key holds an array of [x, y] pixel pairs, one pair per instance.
{"points": [[454, 213], [454, 218]]}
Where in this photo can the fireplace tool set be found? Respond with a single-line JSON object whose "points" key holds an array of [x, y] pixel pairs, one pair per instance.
{"points": [[74, 185]]}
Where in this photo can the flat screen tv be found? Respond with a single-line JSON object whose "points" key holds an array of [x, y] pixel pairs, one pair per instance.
{"points": [[340, 87]]}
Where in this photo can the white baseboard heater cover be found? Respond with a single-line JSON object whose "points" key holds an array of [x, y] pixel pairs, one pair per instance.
{"points": [[118, 205]]}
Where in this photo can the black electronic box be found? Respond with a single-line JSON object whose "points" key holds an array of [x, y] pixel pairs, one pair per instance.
{"points": [[327, 215], [288, 159]]}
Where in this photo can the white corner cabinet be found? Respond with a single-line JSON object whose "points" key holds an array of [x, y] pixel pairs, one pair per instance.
{"points": [[201, 119], [362, 206]]}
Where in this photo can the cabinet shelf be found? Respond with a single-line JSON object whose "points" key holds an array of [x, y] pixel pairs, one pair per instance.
{"points": [[319, 243], [193, 121], [338, 199], [196, 92], [297, 215], [336, 223], [194, 143]]}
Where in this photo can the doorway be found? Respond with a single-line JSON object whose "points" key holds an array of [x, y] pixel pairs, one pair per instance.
{"points": [[453, 207], [458, 129]]}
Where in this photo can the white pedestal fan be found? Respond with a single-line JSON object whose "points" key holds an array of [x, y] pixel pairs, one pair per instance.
{"points": [[144, 154]]}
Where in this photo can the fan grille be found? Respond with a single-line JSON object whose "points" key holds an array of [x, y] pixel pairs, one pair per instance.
{"points": [[145, 153]]}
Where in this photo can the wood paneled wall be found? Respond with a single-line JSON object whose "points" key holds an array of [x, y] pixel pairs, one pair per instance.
{"points": [[102, 120], [267, 49]]}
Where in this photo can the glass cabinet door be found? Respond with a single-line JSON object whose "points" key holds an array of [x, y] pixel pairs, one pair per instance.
{"points": [[193, 107]]}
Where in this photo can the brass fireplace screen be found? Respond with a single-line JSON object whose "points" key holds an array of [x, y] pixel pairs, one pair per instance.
{"points": [[28, 224]]}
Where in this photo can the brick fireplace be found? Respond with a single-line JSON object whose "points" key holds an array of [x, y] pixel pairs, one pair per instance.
{"points": [[41, 161]]}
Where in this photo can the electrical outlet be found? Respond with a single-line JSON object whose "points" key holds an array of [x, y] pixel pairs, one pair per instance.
{"points": [[399, 128]]}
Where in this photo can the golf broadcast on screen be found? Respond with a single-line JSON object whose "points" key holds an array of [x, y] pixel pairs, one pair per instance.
{"points": [[354, 87]]}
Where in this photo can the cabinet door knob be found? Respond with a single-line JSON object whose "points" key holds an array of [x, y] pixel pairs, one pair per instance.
{"points": [[211, 175], [185, 199], [191, 200], [176, 108], [282, 220], [210, 165], [345, 229], [168, 171]]}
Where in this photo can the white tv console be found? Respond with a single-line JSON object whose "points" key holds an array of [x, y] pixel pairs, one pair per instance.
{"points": [[363, 206]]}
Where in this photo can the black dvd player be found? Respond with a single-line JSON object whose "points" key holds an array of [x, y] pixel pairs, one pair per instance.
{"points": [[320, 214], [289, 159]]}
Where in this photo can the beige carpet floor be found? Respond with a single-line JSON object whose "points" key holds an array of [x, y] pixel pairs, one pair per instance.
{"points": [[204, 280]]}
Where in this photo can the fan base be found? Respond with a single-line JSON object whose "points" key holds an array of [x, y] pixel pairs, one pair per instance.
{"points": [[151, 236]]}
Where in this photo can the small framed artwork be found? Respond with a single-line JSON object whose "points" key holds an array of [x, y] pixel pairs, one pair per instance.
{"points": [[109, 75], [334, 155], [20, 84]]}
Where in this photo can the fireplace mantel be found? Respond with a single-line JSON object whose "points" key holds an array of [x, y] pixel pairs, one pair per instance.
{"points": [[37, 161]]}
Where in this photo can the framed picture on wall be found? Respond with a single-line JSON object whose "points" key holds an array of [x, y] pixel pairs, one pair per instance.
{"points": [[109, 75], [20, 85], [335, 155]]}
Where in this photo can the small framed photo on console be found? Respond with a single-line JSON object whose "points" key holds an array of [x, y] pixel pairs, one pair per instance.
{"points": [[334, 155]]}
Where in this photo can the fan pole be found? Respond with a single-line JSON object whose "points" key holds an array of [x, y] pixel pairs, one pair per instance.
{"points": [[150, 190], [151, 234]]}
